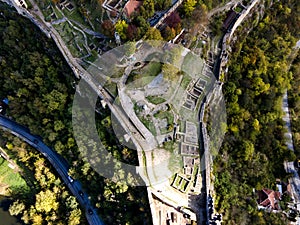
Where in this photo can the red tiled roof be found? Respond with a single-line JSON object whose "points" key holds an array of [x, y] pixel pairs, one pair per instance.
{"points": [[268, 198], [131, 6]]}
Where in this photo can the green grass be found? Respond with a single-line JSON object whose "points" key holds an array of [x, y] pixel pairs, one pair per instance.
{"points": [[169, 146], [9, 177], [112, 88], [175, 162], [192, 65], [185, 81], [238, 9], [177, 181], [145, 75], [149, 125], [138, 80], [183, 186], [155, 99], [151, 69], [170, 120], [165, 114], [93, 57]]}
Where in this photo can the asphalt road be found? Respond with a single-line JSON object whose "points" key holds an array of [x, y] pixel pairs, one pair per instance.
{"points": [[57, 162]]}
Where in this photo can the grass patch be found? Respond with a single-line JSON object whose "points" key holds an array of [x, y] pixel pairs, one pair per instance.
{"points": [[192, 65], [9, 177], [112, 88], [184, 184], [175, 162], [185, 81], [169, 146], [165, 114], [170, 120], [117, 72], [145, 75], [151, 69], [149, 125], [155, 99], [138, 81], [177, 180]]}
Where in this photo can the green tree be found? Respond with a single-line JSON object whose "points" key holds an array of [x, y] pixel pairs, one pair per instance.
{"points": [[189, 6], [147, 9], [153, 34], [162, 4], [121, 27]]}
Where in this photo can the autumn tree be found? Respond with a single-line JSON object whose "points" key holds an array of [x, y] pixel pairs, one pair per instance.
{"points": [[108, 28], [132, 32], [153, 34], [16, 208], [173, 20], [46, 201], [121, 27], [168, 33]]}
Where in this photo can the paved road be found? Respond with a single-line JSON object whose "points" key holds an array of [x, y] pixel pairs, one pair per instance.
{"points": [[57, 162], [289, 166], [286, 119], [168, 13]]}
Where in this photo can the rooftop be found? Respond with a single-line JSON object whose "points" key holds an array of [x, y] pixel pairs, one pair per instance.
{"points": [[269, 198], [131, 6]]}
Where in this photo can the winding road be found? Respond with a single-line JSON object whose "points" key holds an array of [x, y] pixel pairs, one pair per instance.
{"points": [[59, 163]]}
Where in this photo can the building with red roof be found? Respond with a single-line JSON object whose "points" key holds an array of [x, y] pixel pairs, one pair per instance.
{"points": [[132, 6], [268, 199]]}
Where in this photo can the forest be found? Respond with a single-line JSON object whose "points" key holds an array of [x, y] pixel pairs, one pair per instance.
{"points": [[40, 87], [254, 149], [294, 103]]}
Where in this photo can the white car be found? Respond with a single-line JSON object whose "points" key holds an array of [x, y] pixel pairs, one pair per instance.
{"points": [[70, 179]]}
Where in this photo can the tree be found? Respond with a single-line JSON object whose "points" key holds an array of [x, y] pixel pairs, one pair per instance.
{"points": [[153, 34], [147, 9], [74, 217], [168, 33], [173, 20], [71, 202], [142, 25], [169, 71], [16, 208], [132, 32], [46, 201], [189, 6], [121, 27], [108, 28], [162, 4], [129, 48], [256, 125], [248, 149]]}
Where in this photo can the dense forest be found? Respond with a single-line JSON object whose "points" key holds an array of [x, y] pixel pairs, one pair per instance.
{"points": [[254, 149], [40, 88], [294, 103]]}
